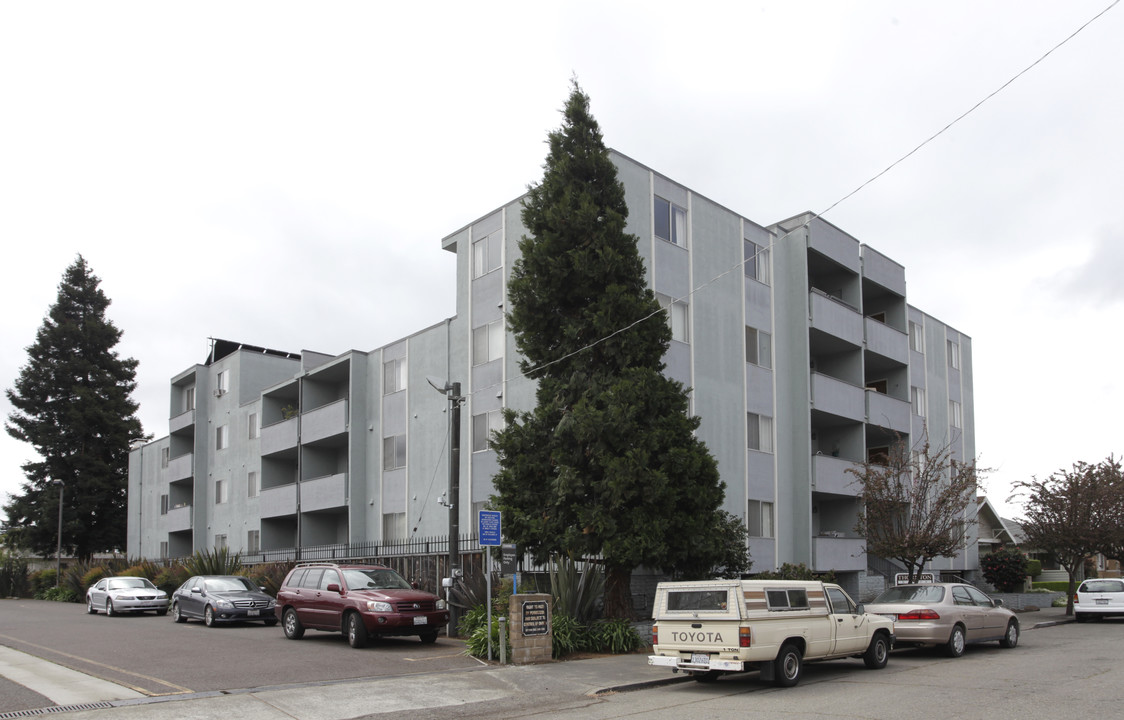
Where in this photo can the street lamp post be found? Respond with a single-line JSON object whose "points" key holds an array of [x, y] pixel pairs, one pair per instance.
{"points": [[58, 546]]}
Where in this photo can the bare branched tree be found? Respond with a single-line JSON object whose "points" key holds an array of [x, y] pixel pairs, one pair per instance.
{"points": [[915, 504]]}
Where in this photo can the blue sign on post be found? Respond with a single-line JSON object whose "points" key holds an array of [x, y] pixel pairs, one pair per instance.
{"points": [[490, 528]]}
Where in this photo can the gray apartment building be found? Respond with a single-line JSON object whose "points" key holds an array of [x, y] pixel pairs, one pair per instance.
{"points": [[801, 351]]}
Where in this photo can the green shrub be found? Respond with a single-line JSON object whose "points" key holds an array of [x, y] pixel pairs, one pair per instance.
{"points": [[269, 575], [1055, 585], [575, 592], [1060, 602], [615, 636], [41, 580], [218, 561], [60, 594], [476, 644], [1004, 568], [1033, 568], [569, 635], [14, 578], [788, 571]]}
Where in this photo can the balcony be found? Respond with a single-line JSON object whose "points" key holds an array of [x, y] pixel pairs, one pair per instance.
{"points": [[882, 270], [837, 398], [279, 501], [325, 424], [181, 468], [325, 493], [280, 437], [829, 475], [835, 318], [887, 412], [838, 553], [182, 423], [886, 341], [179, 518]]}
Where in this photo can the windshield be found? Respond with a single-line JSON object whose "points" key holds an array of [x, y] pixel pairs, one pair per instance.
{"points": [[911, 595], [374, 580], [228, 584], [126, 583]]}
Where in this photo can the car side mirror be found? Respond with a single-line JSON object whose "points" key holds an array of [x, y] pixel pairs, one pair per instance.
{"points": [[860, 609], [996, 602], [261, 587], [197, 590], [333, 587], [414, 584]]}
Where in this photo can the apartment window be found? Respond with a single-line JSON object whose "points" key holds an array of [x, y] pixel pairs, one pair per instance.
{"points": [[955, 415], [163, 504], [759, 431], [189, 398], [487, 342], [670, 222], [163, 549], [917, 400], [756, 263], [759, 519], [255, 426], [486, 254], [165, 456], [678, 314], [393, 526], [221, 492], [220, 541], [222, 382], [394, 375], [953, 355], [482, 427], [222, 437], [758, 347], [394, 452], [253, 487], [916, 338], [253, 541]]}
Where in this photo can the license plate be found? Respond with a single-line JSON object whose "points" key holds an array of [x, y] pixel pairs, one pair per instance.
{"points": [[700, 659], [1102, 601], [253, 613], [421, 620]]}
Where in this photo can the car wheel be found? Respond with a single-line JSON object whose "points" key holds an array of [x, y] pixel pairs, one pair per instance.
{"points": [[292, 624], [788, 666], [209, 616], [955, 645], [176, 614], [1011, 638], [270, 622], [356, 631], [1080, 617], [90, 606], [109, 608], [878, 653], [162, 612], [428, 638], [706, 677]]}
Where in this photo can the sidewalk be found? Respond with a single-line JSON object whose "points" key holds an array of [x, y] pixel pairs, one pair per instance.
{"points": [[349, 699]]}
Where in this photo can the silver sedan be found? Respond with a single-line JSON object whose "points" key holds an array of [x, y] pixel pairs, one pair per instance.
{"points": [[117, 595], [948, 615]]}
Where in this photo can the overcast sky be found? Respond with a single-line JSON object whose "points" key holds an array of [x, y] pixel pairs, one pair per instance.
{"points": [[281, 174]]}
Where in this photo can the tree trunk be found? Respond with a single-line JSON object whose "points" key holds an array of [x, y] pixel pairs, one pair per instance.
{"points": [[618, 592]]}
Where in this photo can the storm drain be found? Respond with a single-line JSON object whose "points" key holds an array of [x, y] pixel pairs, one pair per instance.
{"points": [[55, 709]]}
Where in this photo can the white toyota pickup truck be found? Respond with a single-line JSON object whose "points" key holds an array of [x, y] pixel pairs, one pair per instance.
{"points": [[713, 627]]}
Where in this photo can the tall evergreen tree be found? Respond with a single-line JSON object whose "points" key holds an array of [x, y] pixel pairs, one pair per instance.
{"points": [[607, 462], [73, 405]]}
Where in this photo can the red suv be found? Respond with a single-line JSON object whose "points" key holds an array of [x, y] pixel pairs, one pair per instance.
{"points": [[358, 600]]}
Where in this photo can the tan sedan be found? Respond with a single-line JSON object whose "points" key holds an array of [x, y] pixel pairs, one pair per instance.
{"points": [[948, 615]]}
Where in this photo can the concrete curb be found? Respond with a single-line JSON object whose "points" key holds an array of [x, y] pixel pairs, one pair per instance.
{"points": [[642, 685]]}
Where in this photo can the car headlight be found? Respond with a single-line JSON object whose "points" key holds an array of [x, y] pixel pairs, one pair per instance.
{"points": [[125, 597], [440, 604], [378, 606], [224, 604]]}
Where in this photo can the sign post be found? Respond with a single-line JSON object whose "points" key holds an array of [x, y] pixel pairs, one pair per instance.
{"points": [[489, 533]]}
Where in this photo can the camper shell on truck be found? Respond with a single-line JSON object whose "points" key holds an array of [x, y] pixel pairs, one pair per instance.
{"points": [[714, 627]]}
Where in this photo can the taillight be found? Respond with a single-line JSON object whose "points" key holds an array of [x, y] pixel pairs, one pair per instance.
{"points": [[1074, 598], [655, 635], [920, 615], [743, 637]]}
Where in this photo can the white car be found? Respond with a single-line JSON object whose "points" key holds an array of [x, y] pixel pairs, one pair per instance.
{"points": [[1098, 598], [117, 595]]}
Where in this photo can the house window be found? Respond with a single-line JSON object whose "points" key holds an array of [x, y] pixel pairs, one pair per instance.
{"points": [[670, 222], [916, 338], [756, 263], [917, 400], [220, 541], [222, 437], [165, 455], [953, 355], [189, 398], [163, 549], [253, 487], [487, 342], [955, 414], [253, 541], [221, 491], [482, 427], [163, 504], [759, 431], [255, 426], [222, 382], [758, 347], [393, 526], [394, 375], [678, 314], [394, 452], [760, 519], [486, 254]]}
